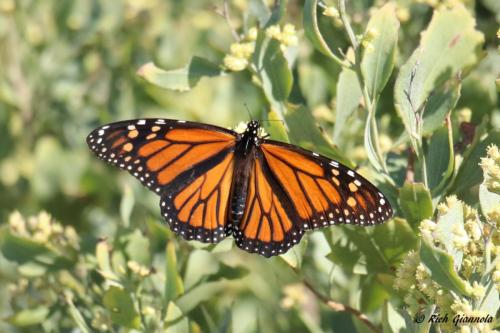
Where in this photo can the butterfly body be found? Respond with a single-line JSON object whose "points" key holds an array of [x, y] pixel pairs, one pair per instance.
{"points": [[245, 150], [214, 182]]}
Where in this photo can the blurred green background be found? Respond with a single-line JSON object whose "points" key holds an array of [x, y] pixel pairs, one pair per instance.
{"points": [[68, 66]]}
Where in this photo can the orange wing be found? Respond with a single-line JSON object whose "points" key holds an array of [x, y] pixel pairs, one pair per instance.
{"points": [[323, 192], [189, 164], [267, 227], [198, 210]]}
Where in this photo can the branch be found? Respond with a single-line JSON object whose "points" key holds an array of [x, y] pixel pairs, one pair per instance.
{"points": [[339, 307], [347, 25], [227, 16]]}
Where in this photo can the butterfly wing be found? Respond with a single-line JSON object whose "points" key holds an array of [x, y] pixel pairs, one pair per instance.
{"points": [[190, 165], [268, 226], [292, 190]]}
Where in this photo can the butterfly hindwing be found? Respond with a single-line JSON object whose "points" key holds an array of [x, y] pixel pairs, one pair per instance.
{"points": [[324, 192], [198, 209], [268, 226]]}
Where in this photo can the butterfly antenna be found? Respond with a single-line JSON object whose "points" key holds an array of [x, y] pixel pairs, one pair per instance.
{"points": [[248, 111]]}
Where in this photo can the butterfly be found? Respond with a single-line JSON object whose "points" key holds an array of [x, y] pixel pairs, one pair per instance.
{"points": [[214, 182]]}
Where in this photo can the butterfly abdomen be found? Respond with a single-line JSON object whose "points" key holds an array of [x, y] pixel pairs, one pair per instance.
{"points": [[244, 155]]}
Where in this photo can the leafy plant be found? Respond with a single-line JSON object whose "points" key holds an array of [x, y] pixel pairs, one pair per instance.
{"points": [[404, 91]]}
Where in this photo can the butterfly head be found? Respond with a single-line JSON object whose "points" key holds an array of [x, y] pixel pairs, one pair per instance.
{"points": [[253, 129]]}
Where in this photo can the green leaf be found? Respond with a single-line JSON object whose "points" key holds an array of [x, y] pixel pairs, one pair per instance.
{"points": [[491, 301], [29, 317], [175, 320], [439, 104], [344, 252], [137, 247], [311, 28], [446, 48], [394, 239], [272, 68], [76, 314], [304, 131], [276, 128], [103, 260], [374, 258], [260, 10], [348, 98], [33, 256], [277, 13], [392, 320], [173, 282], [369, 143], [357, 250], [441, 269], [440, 160], [377, 64], [121, 307], [415, 202], [372, 295], [199, 294], [470, 174], [294, 256], [182, 79], [229, 273]]}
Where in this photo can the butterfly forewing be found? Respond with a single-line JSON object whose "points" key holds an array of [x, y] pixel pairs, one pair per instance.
{"points": [[189, 164]]}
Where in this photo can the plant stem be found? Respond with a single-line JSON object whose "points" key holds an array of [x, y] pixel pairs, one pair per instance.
{"points": [[370, 103], [347, 25], [339, 307], [227, 17], [423, 163]]}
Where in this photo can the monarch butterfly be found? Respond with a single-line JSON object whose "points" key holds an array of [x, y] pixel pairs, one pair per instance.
{"points": [[214, 182]]}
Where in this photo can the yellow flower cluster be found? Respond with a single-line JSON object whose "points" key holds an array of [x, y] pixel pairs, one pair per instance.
{"points": [[368, 38], [287, 35], [136, 268], [333, 12], [240, 53], [43, 229], [491, 169]]}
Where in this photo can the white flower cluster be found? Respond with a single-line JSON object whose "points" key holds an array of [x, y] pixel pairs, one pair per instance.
{"points": [[413, 278], [43, 229], [491, 169]]}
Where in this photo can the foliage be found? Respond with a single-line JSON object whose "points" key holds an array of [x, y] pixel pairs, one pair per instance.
{"points": [[405, 91]]}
